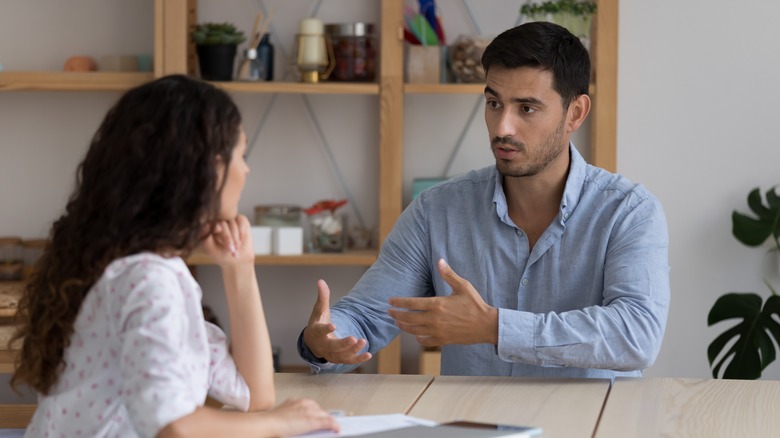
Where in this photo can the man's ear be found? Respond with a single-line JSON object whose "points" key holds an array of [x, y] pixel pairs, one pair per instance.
{"points": [[577, 112]]}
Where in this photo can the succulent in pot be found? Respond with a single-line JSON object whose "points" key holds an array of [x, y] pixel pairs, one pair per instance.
{"points": [[216, 45]]}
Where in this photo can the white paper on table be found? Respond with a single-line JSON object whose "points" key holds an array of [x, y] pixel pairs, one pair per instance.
{"points": [[360, 424]]}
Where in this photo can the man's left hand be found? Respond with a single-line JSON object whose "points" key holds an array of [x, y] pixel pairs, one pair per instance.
{"points": [[461, 318]]}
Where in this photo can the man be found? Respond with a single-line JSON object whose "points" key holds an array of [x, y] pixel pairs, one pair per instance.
{"points": [[541, 265]]}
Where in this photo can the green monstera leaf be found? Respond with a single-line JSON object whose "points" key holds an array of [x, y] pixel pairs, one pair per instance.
{"points": [[754, 231], [753, 338], [754, 348]]}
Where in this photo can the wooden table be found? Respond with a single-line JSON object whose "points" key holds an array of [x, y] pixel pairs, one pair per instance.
{"points": [[647, 407], [655, 407], [359, 394], [562, 407]]}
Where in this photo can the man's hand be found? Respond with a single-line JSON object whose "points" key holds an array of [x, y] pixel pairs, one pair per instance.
{"points": [[321, 340], [462, 318]]}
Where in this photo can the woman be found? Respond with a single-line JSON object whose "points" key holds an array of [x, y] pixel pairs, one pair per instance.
{"points": [[114, 337]]}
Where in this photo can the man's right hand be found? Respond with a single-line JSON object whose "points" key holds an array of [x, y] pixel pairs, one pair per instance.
{"points": [[321, 340]]}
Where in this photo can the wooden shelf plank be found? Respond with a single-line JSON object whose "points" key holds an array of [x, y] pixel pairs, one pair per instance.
{"points": [[444, 88], [349, 258], [113, 81], [16, 416], [455, 89], [300, 87], [71, 81], [7, 361]]}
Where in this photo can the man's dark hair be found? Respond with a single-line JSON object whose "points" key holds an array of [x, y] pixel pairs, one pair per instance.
{"points": [[545, 46]]}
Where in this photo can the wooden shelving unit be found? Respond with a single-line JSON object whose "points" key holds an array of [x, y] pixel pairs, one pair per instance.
{"points": [[172, 55]]}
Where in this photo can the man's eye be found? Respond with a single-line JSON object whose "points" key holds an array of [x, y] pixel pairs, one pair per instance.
{"points": [[527, 109], [492, 104]]}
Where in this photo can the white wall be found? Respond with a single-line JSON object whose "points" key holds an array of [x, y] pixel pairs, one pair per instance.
{"points": [[697, 101], [697, 83]]}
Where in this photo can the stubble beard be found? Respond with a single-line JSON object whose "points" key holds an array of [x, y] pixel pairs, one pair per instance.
{"points": [[547, 152]]}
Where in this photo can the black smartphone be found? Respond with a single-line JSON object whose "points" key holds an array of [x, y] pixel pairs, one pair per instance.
{"points": [[531, 431]]}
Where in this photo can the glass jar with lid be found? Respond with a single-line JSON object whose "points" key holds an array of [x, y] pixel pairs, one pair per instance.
{"points": [[354, 47], [278, 215]]}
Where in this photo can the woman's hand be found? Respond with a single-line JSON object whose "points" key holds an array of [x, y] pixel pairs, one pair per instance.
{"points": [[297, 416], [230, 242]]}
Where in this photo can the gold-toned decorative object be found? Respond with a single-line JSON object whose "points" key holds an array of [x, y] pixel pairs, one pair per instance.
{"points": [[314, 51]]}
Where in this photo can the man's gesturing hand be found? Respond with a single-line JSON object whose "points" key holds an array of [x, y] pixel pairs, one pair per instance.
{"points": [[462, 318], [321, 340]]}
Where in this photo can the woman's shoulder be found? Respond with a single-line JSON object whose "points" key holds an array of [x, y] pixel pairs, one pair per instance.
{"points": [[147, 273], [143, 264], [147, 279]]}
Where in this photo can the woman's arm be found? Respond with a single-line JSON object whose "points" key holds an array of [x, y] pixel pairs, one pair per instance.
{"points": [[231, 248], [293, 417]]}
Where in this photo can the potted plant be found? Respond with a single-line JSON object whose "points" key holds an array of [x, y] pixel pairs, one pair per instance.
{"points": [[216, 45], [577, 16], [757, 330]]}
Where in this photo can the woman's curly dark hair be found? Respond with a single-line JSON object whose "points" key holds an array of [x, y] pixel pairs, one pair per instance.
{"points": [[147, 183]]}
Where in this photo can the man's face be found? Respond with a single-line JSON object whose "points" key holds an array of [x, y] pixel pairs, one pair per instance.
{"points": [[525, 119]]}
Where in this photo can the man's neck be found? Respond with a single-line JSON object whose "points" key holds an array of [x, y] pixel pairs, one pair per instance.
{"points": [[533, 201]]}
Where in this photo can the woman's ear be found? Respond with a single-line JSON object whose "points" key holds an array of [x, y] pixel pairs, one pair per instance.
{"points": [[220, 165], [577, 112]]}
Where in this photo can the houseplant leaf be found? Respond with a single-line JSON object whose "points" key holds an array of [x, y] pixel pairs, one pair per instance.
{"points": [[754, 336], [753, 231]]}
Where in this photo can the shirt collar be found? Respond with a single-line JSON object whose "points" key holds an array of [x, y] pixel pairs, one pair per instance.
{"points": [[574, 183], [571, 191]]}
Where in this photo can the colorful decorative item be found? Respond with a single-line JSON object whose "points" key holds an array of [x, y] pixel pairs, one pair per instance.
{"points": [[80, 63], [328, 229]]}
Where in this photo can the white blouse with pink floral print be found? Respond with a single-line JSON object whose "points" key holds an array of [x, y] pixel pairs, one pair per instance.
{"points": [[140, 357]]}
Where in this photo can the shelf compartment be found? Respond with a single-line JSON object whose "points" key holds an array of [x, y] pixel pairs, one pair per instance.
{"points": [[300, 87], [71, 81], [348, 258]]}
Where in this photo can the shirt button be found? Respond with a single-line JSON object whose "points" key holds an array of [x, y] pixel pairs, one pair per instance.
{"points": [[515, 358], [565, 215], [525, 282]]}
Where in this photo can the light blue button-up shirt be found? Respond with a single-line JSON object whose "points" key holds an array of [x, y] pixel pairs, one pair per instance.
{"points": [[590, 300]]}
